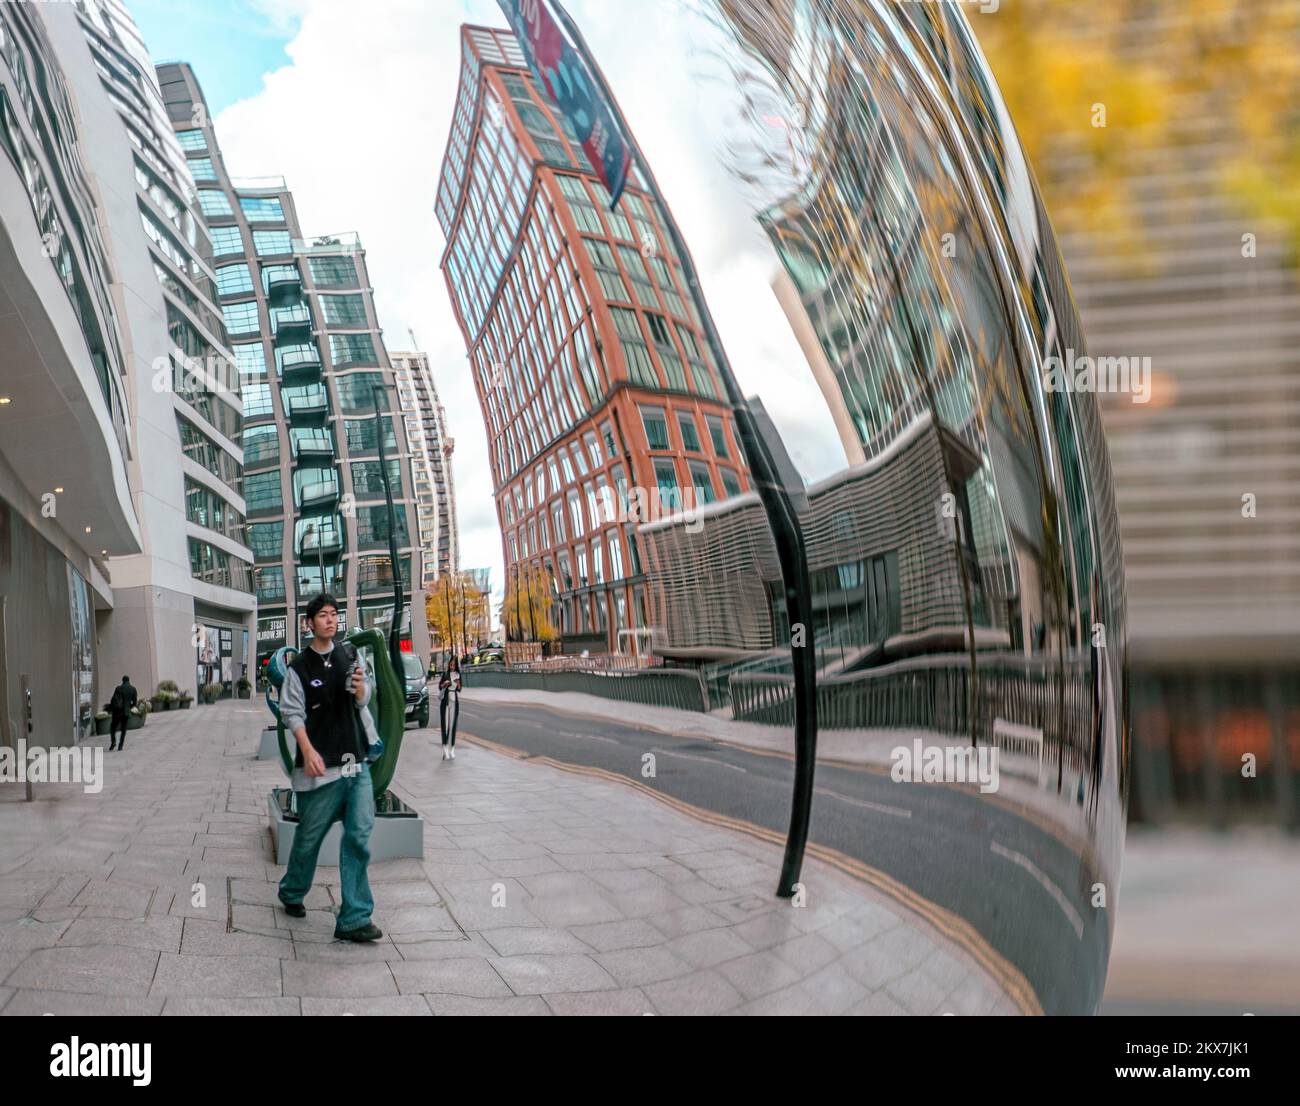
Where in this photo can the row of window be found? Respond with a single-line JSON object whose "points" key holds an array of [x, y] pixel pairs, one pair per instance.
{"points": [[215, 566], [262, 490], [215, 204], [204, 507]]}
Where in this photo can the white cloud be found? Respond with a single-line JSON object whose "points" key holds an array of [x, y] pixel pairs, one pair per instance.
{"points": [[357, 124]]}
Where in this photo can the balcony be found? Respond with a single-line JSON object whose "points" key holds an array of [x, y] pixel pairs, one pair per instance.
{"points": [[283, 284], [291, 324], [306, 405], [315, 487], [315, 445], [294, 363], [314, 537]]}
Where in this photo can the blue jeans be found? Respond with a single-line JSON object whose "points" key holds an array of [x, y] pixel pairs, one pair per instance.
{"points": [[350, 800]]}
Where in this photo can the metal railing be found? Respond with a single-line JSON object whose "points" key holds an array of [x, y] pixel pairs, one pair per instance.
{"points": [[680, 688]]}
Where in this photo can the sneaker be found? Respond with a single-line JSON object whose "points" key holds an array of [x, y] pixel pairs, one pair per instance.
{"points": [[453, 752], [294, 909], [444, 753], [367, 932]]}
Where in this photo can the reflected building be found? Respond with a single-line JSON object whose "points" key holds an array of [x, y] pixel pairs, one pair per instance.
{"points": [[309, 354], [591, 366]]}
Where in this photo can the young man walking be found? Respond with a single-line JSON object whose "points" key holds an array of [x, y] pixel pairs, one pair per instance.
{"points": [[124, 698], [324, 689]]}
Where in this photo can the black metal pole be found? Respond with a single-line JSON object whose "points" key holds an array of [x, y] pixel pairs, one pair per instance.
{"points": [[787, 534], [464, 619], [395, 632]]}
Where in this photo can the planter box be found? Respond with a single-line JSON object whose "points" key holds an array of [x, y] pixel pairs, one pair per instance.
{"points": [[156, 703], [246, 694], [134, 721], [101, 726], [185, 704]]}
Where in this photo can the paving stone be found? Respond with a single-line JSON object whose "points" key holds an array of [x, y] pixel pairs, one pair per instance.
{"points": [[544, 975], [193, 976]]}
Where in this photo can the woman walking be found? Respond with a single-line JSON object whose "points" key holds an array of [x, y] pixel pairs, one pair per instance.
{"points": [[449, 707]]}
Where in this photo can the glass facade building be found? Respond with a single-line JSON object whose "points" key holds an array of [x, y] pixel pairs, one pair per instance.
{"points": [[309, 357]]}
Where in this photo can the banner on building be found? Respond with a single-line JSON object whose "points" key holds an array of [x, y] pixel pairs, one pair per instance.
{"points": [[572, 89]]}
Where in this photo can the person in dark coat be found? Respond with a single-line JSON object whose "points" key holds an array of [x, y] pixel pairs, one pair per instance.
{"points": [[119, 707]]}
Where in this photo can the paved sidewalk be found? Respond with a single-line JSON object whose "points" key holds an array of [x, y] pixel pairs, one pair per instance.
{"points": [[541, 891]]}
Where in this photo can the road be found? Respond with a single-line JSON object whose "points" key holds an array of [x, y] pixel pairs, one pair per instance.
{"points": [[1019, 886]]}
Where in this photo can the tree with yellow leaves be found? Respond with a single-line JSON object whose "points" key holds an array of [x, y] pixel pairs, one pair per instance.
{"points": [[526, 611], [1108, 98], [457, 612]]}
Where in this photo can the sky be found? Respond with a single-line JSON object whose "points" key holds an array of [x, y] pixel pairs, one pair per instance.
{"points": [[352, 104]]}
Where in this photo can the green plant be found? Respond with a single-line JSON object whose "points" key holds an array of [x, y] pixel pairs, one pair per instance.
{"points": [[212, 692], [101, 716], [144, 706], [168, 686], [244, 685]]}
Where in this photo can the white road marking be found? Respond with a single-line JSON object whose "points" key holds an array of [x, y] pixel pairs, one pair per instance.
{"points": [[1067, 908], [706, 760], [883, 808]]}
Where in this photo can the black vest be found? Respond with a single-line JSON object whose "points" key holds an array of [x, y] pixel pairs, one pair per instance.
{"points": [[332, 722]]}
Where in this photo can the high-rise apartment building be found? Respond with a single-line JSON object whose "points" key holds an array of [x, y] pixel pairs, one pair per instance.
{"points": [[183, 605], [590, 362], [311, 364], [431, 450]]}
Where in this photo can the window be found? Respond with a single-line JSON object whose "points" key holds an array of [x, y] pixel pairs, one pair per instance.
{"points": [[347, 310], [615, 555], [213, 203], [270, 583], [593, 449], [666, 478], [250, 359], [690, 439], [730, 481], [233, 279], [645, 293], [356, 392], [257, 401], [575, 514], [611, 282], [699, 370], [372, 525], [363, 436], [333, 272], [261, 444], [261, 209], [266, 539], [718, 435], [367, 480], [203, 169], [192, 140], [352, 349], [639, 366], [702, 481], [225, 241], [241, 318], [270, 243], [262, 492], [656, 427]]}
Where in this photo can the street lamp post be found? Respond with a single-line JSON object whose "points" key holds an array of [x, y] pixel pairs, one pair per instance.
{"points": [[395, 631], [787, 534]]}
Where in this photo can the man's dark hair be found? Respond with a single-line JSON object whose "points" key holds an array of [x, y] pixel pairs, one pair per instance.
{"points": [[323, 600], [126, 679]]}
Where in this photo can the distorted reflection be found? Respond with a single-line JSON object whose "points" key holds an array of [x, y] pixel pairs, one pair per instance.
{"points": [[962, 552]]}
